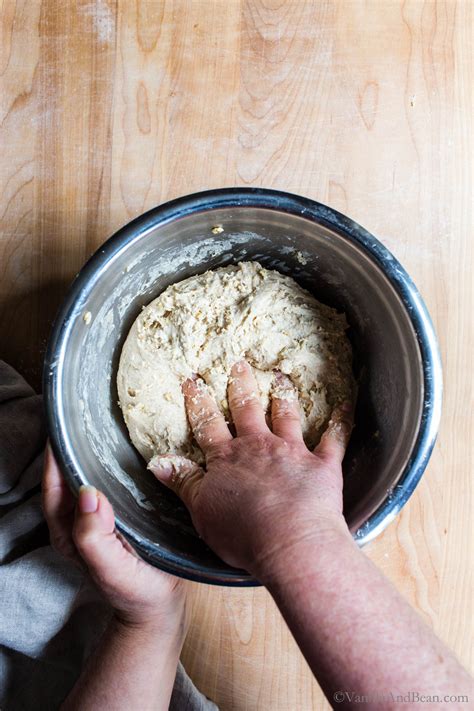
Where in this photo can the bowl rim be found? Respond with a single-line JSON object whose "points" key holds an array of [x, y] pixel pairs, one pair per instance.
{"points": [[259, 198]]}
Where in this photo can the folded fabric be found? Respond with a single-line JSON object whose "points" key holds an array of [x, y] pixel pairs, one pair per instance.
{"points": [[51, 615]]}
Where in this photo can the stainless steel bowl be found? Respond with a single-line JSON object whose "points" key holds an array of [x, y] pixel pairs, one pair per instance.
{"points": [[396, 358]]}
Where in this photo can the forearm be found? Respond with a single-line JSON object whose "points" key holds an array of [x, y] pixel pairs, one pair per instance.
{"points": [[132, 668], [355, 630]]}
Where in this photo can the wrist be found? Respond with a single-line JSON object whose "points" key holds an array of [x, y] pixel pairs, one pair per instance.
{"points": [[170, 623], [298, 538]]}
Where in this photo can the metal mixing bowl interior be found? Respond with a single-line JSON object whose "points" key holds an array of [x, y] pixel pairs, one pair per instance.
{"points": [[396, 360]]}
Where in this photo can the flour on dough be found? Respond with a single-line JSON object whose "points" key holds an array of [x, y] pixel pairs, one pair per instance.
{"points": [[207, 323]]}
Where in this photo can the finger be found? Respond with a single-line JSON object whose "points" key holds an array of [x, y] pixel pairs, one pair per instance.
{"points": [[335, 439], [286, 421], [95, 538], [244, 402], [206, 420], [57, 499], [58, 507], [181, 475]]}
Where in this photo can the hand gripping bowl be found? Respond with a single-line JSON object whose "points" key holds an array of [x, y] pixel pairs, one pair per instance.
{"points": [[396, 358]]}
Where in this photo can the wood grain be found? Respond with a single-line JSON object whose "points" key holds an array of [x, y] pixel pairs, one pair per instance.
{"points": [[110, 107]]}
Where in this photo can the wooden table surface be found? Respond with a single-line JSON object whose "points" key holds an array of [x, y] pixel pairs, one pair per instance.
{"points": [[108, 108]]}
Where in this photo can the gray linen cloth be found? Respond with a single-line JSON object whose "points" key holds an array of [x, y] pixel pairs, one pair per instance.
{"points": [[51, 615]]}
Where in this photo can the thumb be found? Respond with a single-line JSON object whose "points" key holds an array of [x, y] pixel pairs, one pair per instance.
{"points": [[181, 475], [94, 533], [335, 439]]}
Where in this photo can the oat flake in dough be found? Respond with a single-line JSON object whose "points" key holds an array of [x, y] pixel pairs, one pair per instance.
{"points": [[205, 324]]}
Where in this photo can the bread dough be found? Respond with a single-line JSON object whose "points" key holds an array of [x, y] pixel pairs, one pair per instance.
{"points": [[204, 325]]}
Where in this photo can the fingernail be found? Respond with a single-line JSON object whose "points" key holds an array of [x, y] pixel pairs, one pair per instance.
{"points": [[346, 406], [283, 380], [193, 382], [187, 384], [162, 469], [88, 499], [240, 366]]}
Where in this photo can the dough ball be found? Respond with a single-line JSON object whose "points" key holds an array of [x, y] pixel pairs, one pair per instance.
{"points": [[207, 323]]}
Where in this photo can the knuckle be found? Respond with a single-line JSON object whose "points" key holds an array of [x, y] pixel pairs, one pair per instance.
{"points": [[188, 489], [218, 451], [261, 441], [286, 414], [85, 542], [202, 424], [61, 544], [183, 475], [284, 450], [199, 415], [244, 401]]}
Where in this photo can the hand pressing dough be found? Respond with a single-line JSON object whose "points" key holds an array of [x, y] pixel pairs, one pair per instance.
{"points": [[205, 324]]}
